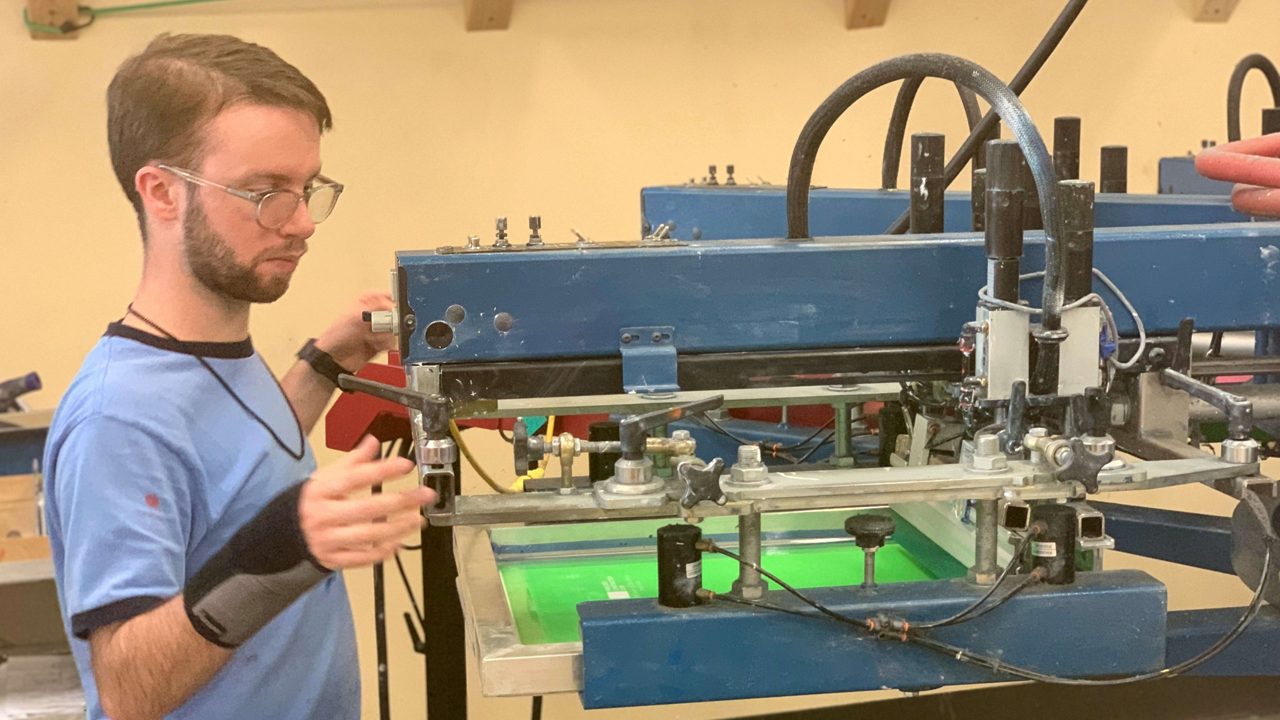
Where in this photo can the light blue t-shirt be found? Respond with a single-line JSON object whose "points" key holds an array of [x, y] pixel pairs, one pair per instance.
{"points": [[150, 467]]}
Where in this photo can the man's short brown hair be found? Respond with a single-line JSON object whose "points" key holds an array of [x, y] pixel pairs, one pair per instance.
{"points": [[161, 99]]}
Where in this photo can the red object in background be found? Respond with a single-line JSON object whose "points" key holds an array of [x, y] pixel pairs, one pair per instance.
{"points": [[1253, 164], [355, 415]]}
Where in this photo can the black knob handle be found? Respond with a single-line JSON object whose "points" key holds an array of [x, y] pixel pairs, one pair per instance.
{"points": [[701, 482], [869, 531]]}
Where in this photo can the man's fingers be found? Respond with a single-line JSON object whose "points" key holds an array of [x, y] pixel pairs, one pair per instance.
{"points": [[370, 508], [361, 558], [367, 474], [363, 536]]}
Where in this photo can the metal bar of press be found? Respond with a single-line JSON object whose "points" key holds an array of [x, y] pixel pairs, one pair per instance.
{"points": [[464, 382], [902, 292], [1193, 539]]}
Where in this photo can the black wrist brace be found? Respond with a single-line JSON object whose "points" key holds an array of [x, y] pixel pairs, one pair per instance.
{"points": [[257, 574], [322, 362]]}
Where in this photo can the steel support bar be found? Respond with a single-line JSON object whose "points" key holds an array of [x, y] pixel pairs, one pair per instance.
{"points": [[843, 488], [853, 292], [1202, 541], [1253, 653]]}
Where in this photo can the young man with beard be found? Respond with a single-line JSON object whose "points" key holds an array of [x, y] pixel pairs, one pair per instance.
{"points": [[195, 542]]}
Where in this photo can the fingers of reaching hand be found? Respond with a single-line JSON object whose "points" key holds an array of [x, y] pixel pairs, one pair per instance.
{"points": [[361, 558], [369, 508], [366, 537]]}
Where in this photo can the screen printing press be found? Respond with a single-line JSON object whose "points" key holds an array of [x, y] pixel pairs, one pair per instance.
{"points": [[825, 458]]}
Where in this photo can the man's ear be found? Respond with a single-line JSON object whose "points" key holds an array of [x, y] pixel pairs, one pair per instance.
{"points": [[161, 193]]}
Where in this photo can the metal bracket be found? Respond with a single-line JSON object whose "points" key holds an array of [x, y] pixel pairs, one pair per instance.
{"points": [[648, 359]]}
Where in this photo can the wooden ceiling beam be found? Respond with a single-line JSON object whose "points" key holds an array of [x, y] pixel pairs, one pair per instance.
{"points": [[865, 13], [488, 14]]}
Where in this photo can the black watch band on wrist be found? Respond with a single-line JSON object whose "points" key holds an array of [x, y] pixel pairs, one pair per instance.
{"points": [[322, 362]]}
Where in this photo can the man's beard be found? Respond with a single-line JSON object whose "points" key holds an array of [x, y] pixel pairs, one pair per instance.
{"points": [[214, 264]]}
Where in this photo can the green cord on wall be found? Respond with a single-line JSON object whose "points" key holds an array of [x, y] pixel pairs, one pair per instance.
{"points": [[93, 13]]}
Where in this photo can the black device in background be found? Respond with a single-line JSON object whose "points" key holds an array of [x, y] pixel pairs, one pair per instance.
{"points": [[11, 390]]}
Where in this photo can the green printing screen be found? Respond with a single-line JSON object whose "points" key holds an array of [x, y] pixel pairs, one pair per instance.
{"points": [[544, 589]]}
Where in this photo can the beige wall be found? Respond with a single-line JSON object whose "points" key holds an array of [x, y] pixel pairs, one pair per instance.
{"points": [[566, 115]]}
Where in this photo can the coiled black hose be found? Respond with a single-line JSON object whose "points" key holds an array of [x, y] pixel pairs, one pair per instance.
{"points": [[1019, 83], [1250, 62], [898, 126], [1004, 103]]}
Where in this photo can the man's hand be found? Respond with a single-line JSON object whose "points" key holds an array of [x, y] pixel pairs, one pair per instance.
{"points": [[350, 340], [343, 524]]}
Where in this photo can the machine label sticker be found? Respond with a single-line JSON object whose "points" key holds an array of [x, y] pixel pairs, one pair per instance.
{"points": [[1044, 549], [693, 569]]}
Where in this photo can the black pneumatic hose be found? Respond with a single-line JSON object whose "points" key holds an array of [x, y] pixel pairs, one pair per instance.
{"points": [[1004, 104], [1250, 62], [1025, 74], [898, 126]]}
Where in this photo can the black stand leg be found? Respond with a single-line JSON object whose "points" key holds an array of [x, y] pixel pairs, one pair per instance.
{"points": [[445, 638], [446, 648]]}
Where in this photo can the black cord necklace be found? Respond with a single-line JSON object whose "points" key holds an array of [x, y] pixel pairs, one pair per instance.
{"points": [[302, 438]]}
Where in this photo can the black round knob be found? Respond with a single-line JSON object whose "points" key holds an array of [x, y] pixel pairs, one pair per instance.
{"points": [[869, 531]]}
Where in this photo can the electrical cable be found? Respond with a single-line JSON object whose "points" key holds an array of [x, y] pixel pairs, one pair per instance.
{"points": [[1236, 84], [1087, 299], [504, 436], [910, 632], [466, 452], [936, 442], [1036, 60], [999, 666], [1004, 103], [710, 546], [774, 449], [413, 599], [965, 613], [820, 445], [894, 136]]}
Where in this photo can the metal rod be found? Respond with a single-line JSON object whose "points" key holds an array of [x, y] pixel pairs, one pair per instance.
{"points": [[1075, 198], [985, 543], [1270, 120], [843, 454], [1066, 147], [1032, 218], [869, 567], [1115, 169], [749, 585], [1021, 79], [1003, 232], [978, 196], [380, 634], [928, 155]]}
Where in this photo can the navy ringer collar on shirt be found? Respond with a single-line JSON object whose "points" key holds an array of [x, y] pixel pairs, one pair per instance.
{"points": [[222, 350]]}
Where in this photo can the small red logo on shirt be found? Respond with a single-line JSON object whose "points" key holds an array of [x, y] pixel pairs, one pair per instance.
{"points": [[152, 500]]}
